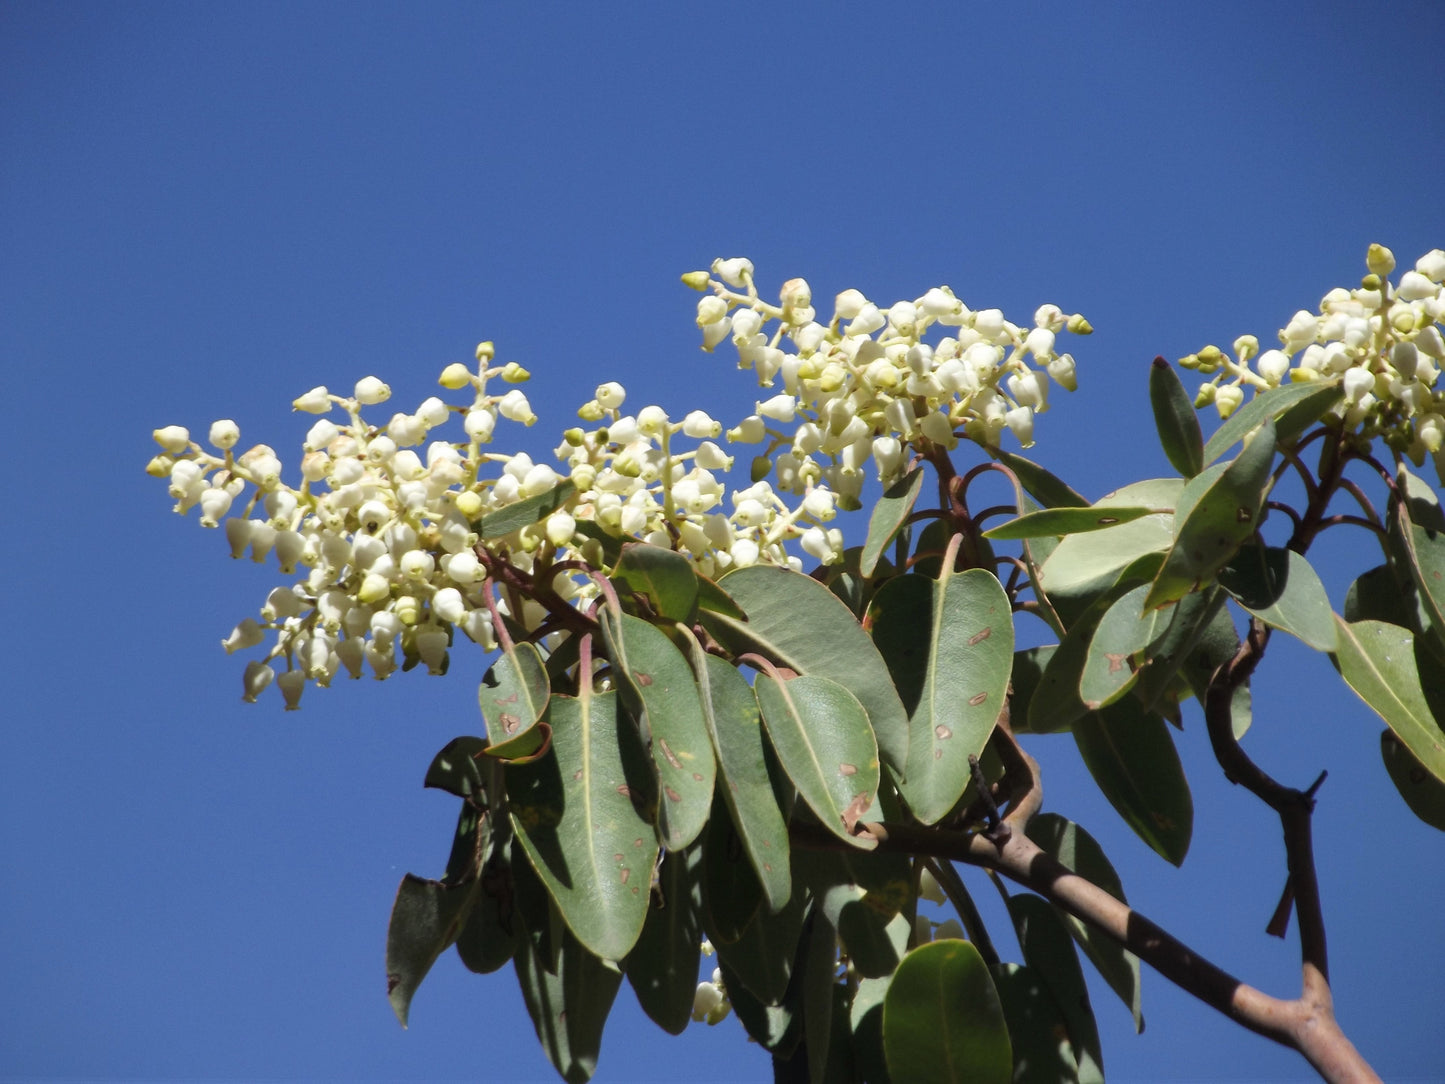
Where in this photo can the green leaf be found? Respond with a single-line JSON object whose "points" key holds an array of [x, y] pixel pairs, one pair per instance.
{"points": [[1062, 521], [846, 580], [1055, 702], [662, 966], [1217, 512], [664, 576], [1045, 488], [862, 896], [568, 1007], [425, 920], [1304, 403], [1423, 793], [713, 598], [1037, 1030], [800, 624], [948, 643], [765, 956], [865, 1018], [1417, 536], [575, 818], [659, 690], [818, 971], [457, 770], [731, 892], [524, 513], [942, 1021], [775, 1026], [1280, 588], [513, 697], [1112, 660], [1078, 850], [1049, 952], [737, 734], [1216, 644], [1081, 562], [1378, 661], [1175, 420], [888, 517], [1133, 760], [821, 735], [488, 938], [1028, 670]]}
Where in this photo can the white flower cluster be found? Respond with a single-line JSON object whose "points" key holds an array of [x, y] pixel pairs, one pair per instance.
{"points": [[384, 526], [867, 386], [1381, 340]]}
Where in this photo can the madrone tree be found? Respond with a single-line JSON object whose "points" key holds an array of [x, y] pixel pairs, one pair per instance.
{"points": [[693, 742]]}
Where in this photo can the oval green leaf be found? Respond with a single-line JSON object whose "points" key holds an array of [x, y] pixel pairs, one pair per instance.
{"points": [[568, 1005], [1174, 418], [948, 643], [664, 576], [1280, 588], [1304, 403], [1112, 661], [821, 735], [660, 690], [1078, 850], [737, 734], [942, 1020], [1133, 760], [888, 517], [1081, 562], [1423, 793], [524, 513], [513, 696], [1045, 488], [662, 966], [1062, 521], [798, 623], [1050, 954], [574, 815], [1417, 536], [1378, 661]]}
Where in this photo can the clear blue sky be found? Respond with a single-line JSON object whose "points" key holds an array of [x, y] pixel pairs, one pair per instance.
{"points": [[207, 209]]}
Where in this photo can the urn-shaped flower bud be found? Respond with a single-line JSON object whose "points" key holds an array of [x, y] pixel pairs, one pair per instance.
{"points": [[370, 391]]}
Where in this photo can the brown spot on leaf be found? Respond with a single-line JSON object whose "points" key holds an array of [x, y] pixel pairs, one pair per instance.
{"points": [[768, 866], [856, 808], [1116, 662], [980, 636], [624, 790], [577, 775], [672, 794], [1244, 515], [617, 857], [669, 754], [641, 678], [975, 701], [626, 873], [1107, 521], [937, 754], [847, 769], [510, 723], [392, 982], [943, 732]]}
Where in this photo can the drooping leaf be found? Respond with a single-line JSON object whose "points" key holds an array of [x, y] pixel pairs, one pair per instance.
{"points": [[1280, 588], [1049, 952], [1078, 850], [1304, 403], [865, 1018], [524, 513], [800, 624], [1175, 419], [737, 733], [888, 516], [425, 920], [942, 1020], [662, 966], [1423, 793], [488, 938], [664, 576], [821, 735], [1080, 562], [731, 892], [1132, 758], [456, 769], [568, 1006], [1113, 658], [1216, 643], [764, 957], [1037, 1031], [659, 689], [574, 815], [775, 1026], [948, 643], [862, 895], [1217, 512], [1063, 521], [818, 976], [1028, 669], [1378, 661], [513, 697], [1048, 490]]}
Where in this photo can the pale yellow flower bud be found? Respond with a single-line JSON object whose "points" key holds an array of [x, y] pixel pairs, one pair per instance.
{"points": [[1380, 260], [455, 376], [696, 280]]}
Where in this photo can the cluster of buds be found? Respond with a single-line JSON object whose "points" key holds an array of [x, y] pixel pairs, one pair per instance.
{"points": [[866, 385], [384, 528], [1382, 341]]}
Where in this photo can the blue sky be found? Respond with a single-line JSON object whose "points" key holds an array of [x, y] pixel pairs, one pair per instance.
{"points": [[207, 209]]}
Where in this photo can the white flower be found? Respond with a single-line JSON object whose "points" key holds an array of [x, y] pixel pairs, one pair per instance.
{"points": [[735, 272], [370, 391], [173, 438], [315, 401], [699, 425], [514, 407], [780, 408]]}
